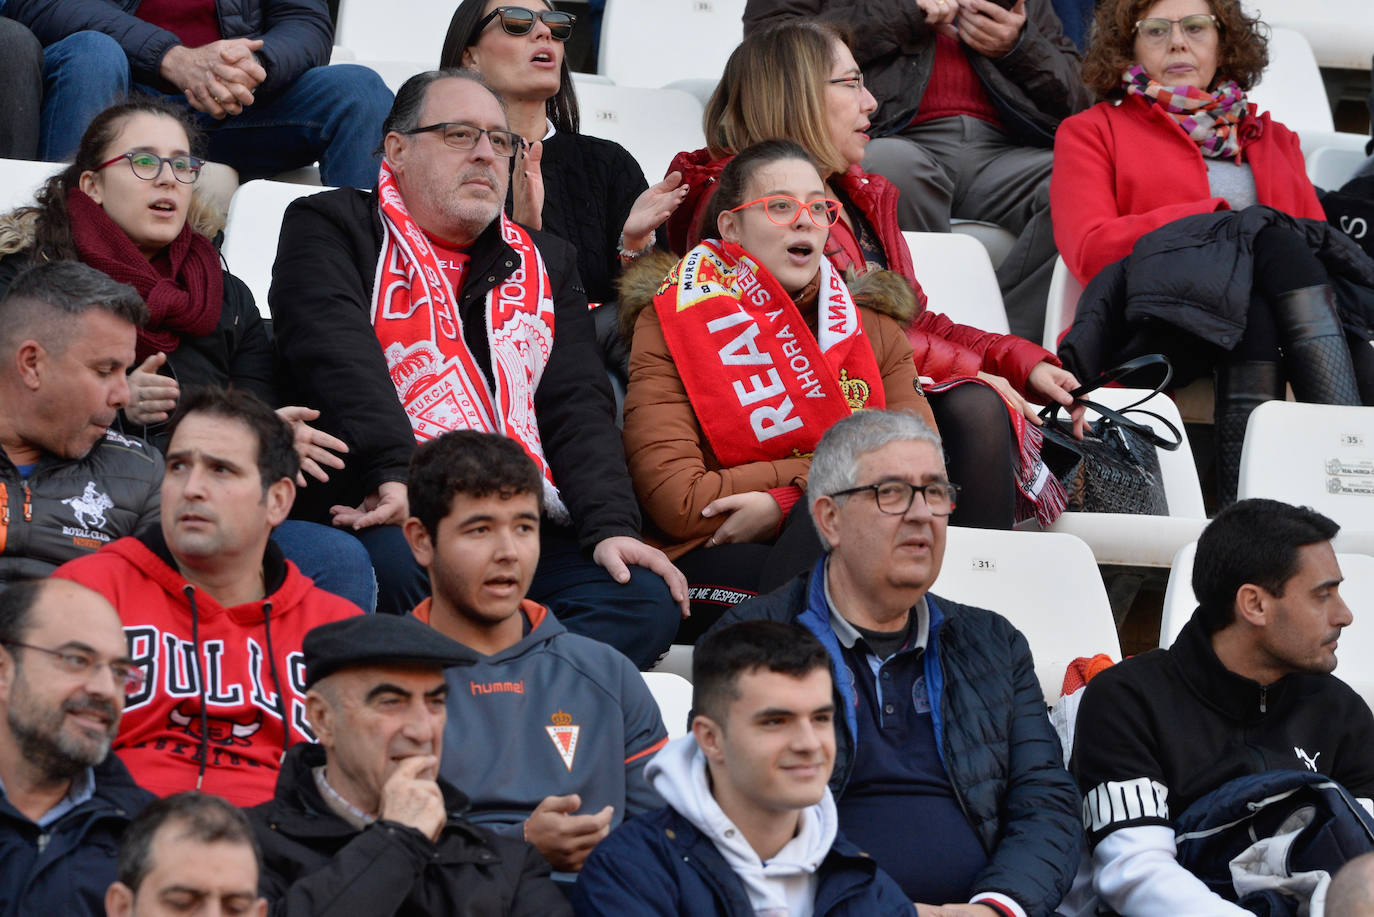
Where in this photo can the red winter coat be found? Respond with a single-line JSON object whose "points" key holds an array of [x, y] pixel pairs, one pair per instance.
{"points": [[251, 652], [1121, 171], [942, 349]]}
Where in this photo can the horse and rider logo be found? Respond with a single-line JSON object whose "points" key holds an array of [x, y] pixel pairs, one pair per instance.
{"points": [[89, 508]]}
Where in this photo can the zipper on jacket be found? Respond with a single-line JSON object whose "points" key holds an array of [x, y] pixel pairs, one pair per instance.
{"points": [[43, 842], [1264, 699], [28, 503]]}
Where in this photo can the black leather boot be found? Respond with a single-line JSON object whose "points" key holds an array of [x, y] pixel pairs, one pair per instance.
{"points": [[1315, 354], [1241, 387]]}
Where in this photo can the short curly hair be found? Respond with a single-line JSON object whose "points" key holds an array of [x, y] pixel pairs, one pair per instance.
{"points": [[1242, 52]]}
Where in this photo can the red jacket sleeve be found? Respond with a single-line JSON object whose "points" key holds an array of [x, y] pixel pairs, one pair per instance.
{"points": [[1004, 355]]}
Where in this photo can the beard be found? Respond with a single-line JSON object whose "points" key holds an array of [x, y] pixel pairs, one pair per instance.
{"points": [[55, 751]]}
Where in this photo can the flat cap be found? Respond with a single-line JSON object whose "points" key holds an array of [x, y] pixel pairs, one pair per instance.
{"points": [[377, 639]]}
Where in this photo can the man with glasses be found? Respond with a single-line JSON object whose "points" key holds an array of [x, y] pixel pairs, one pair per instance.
{"points": [[420, 309], [947, 770], [64, 799]]}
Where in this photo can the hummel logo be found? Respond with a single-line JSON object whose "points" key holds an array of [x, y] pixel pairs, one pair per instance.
{"points": [[1310, 762]]}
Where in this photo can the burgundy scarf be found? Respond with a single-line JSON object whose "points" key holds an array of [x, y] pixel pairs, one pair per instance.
{"points": [[185, 303]]}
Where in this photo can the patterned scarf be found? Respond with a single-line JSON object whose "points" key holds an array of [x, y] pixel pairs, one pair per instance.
{"points": [[1213, 120], [415, 316], [184, 300]]}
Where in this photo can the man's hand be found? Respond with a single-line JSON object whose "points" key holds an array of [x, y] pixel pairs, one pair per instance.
{"points": [[566, 840], [650, 209], [313, 446], [152, 397], [615, 554], [956, 910], [218, 78], [1052, 384], [411, 796], [527, 186], [988, 29], [390, 505], [940, 15], [753, 517]]}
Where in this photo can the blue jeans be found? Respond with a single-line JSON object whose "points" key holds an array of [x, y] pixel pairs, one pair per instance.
{"points": [[639, 618], [334, 559], [330, 114]]}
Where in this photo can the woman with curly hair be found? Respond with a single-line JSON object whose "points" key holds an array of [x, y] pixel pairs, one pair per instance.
{"points": [[1211, 201]]}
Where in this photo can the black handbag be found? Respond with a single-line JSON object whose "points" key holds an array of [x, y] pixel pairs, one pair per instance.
{"points": [[1114, 468]]}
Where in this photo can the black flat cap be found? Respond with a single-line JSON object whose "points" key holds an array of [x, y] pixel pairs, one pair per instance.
{"points": [[377, 639]]}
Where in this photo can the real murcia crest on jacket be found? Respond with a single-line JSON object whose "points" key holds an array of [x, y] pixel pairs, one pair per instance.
{"points": [[564, 736], [1310, 762]]}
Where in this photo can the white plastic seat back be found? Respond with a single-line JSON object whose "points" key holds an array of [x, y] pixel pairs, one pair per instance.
{"points": [[1316, 455], [656, 42], [673, 694], [653, 124], [1340, 32], [395, 72], [395, 30], [1292, 90], [1061, 305], [1179, 601], [1046, 584], [958, 278], [20, 180], [250, 237]]}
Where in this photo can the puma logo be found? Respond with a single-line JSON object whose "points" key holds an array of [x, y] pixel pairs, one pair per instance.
{"points": [[1310, 762]]}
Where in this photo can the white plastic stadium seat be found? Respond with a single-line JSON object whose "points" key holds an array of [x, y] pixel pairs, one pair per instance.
{"points": [[20, 180], [1044, 583], [1063, 303], [1341, 32], [1332, 158], [396, 72], [958, 279], [1292, 90], [678, 660], [655, 42], [1316, 455], [395, 30], [995, 239], [1355, 652], [673, 693], [250, 238], [653, 124], [1145, 541]]}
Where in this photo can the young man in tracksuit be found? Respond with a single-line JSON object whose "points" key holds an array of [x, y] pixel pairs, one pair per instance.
{"points": [[1245, 688], [213, 613], [548, 731]]}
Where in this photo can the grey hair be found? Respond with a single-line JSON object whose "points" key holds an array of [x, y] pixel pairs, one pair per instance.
{"points": [[44, 294], [833, 468], [410, 98]]}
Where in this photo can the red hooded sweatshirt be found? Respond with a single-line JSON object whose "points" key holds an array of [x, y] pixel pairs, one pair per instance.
{"points": [[209, 716]]}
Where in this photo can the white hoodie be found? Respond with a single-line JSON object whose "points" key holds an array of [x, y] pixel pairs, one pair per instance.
{"points": [[785, 886]]}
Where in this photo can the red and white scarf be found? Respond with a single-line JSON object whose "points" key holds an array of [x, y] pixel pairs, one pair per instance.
{"points": [[761, 384], [416, 319]]}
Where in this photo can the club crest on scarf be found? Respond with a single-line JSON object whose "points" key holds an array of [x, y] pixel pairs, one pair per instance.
{"points": [[749, 361]]}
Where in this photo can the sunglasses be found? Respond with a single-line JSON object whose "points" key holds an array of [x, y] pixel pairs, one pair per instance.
{"points": [[517, 20]]}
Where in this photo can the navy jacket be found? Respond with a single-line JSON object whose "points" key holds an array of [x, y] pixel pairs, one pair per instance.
{"points": [[660, 865], [296, 34], [998, 748], [66, 867]]}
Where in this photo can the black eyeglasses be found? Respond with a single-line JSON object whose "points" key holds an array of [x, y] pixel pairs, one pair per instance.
{"points": [[896, 497], [148, 166], [462, 136], [853, 82], [81, 663], [517, 20]]}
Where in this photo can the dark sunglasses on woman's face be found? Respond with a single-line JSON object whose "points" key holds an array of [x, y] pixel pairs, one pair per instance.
{"points": [[517, 20]]}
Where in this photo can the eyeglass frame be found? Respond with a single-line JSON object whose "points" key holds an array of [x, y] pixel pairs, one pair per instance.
{"points": [[913, 489], [537, 16], [134, 678], [197, 164], [1216, 26], [517, 143], [802, 205], [853, 82]]}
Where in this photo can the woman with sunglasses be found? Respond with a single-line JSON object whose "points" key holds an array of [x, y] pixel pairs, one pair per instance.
{"points": [[799, 80], [585, 190], [1162, 166], [740, 360]]}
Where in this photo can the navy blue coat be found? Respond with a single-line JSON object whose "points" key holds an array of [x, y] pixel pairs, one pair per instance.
{"points": [[1000, 752], [659, 865], [66, 867], [296, 34]]}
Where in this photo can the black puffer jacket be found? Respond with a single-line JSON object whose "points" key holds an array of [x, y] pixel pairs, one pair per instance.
{"points": [[1035, 86], [1195, 275], [321, 302], [999, 750], [316, 865], [296, 34]]}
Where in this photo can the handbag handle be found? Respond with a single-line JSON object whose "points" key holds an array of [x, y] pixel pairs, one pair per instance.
{"points": [[1050, 414]]}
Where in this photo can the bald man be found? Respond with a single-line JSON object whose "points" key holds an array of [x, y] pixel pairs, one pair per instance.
{"points": [[1351, 893]]}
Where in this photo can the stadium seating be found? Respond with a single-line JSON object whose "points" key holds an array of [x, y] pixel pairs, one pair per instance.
{"points": [[653, 124], [1046, 584], [1340, 32], [1355, 652], [1062, 304], [673, 694], [958, 278], [20, 180], [1316, 455], [655, 42], [250, 238], [396, 30]]}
